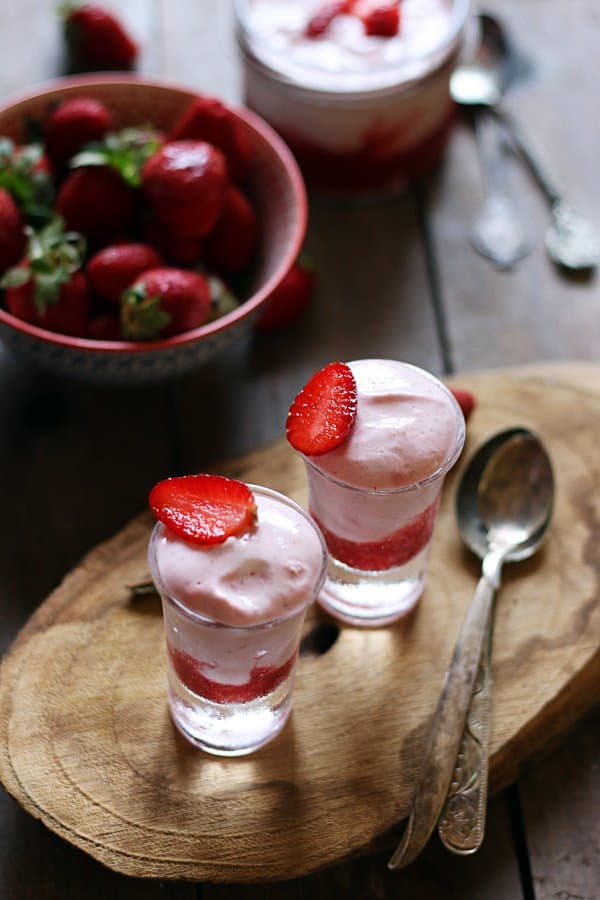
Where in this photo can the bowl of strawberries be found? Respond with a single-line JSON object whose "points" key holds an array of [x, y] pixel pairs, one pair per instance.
{"points": [[143, 227]]}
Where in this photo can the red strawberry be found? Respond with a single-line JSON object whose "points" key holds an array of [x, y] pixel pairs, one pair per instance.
{"points": [[96, 202], [178, 250], [48, 288], [113, 269], [67, 314], [105, 327], [382, 21], [73, 124], [289, 299], [323, 413], [96, 38], [206, 119], [203, 509], [324, 16], [25, 172], [12, 235], [231, 245], [186, 182], [162, 302], [465, 400]]}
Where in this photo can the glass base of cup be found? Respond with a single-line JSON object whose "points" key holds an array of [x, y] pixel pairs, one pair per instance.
{"points": [[360, 597], [229, 729]]}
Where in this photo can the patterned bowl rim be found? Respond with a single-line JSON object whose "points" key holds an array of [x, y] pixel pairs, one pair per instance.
{"points": [[257, 124]]}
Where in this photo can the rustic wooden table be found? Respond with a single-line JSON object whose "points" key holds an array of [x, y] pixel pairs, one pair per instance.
{"points": [[397, 278]]}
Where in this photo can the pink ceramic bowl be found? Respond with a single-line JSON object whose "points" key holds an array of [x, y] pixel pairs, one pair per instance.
{"points": [[279, 197]]}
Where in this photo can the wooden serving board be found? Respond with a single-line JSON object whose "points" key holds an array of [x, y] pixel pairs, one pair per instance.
{"points": [[86, 744]]}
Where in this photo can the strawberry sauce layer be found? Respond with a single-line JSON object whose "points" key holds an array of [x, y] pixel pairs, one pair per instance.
{"points": [[371, 166], [263, 679], [395, 550]]}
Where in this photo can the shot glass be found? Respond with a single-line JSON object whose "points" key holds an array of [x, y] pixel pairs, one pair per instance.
{"points": [[378, 540], [230, 686]]}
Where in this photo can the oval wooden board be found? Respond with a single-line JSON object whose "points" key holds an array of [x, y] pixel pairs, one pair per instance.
{"points": [[87, 746]]}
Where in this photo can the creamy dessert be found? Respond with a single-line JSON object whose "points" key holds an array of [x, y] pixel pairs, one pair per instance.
{"points": [[359, 109], [233, 612], [375, 494]]}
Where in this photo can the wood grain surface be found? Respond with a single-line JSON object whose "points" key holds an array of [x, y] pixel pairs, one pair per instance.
{"points": [[87, 745]]}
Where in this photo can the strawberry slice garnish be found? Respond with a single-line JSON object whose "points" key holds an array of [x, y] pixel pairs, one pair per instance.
{"points": [[383, 20], [323, 413], [203, 509], [465, 400], [319, 23]]}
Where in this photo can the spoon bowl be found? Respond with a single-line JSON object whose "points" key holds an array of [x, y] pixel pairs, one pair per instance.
{"points": [[480, 483]]}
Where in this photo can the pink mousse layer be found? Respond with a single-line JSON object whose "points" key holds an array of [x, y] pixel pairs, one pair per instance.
{"points": [[344, 57], [248, 580], [408, 427]]}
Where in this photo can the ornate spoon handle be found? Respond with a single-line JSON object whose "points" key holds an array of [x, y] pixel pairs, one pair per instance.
{"points": [[461, 826], [448, 721]]}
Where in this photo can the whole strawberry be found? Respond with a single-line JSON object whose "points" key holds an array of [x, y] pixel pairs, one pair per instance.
{"points": [[185, 183], [231, 245], [96, 202], [48, 288], [179, 251], [12, 235], [163, 302], [206, 119], [113, 269], [105, 327], [96, 39], [26, 173], [72, 124], [289, 299], [465, 399]]}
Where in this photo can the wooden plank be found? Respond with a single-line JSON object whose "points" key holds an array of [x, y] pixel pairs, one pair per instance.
{"points": [[78, 461], [560, 799], [500, 318], [198, 46], [436, 875]]}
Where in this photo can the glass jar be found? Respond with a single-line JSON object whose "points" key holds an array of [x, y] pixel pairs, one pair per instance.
{"points": [[359, 112]]}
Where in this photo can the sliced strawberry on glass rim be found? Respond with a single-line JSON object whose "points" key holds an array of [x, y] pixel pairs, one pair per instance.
{"points": [[323, 413], [203, 509]]}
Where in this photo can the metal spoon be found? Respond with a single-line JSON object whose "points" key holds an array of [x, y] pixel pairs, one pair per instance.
{"points": [[515, 495], [498, 231], [571, 240], [485, 527]]}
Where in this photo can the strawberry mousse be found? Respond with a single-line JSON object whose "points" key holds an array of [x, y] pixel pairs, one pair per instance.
{"points": [[358, 89], [233, 611], [375, 494]]}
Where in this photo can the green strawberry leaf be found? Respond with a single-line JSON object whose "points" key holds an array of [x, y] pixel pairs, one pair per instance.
{"points": [[125, 151], [32, 190], [53, 256], [142, 318]]}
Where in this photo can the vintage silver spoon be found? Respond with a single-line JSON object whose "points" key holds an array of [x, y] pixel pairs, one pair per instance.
{"points": [[516, 498], [571, 240], [485, 523], [498, 231]]}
